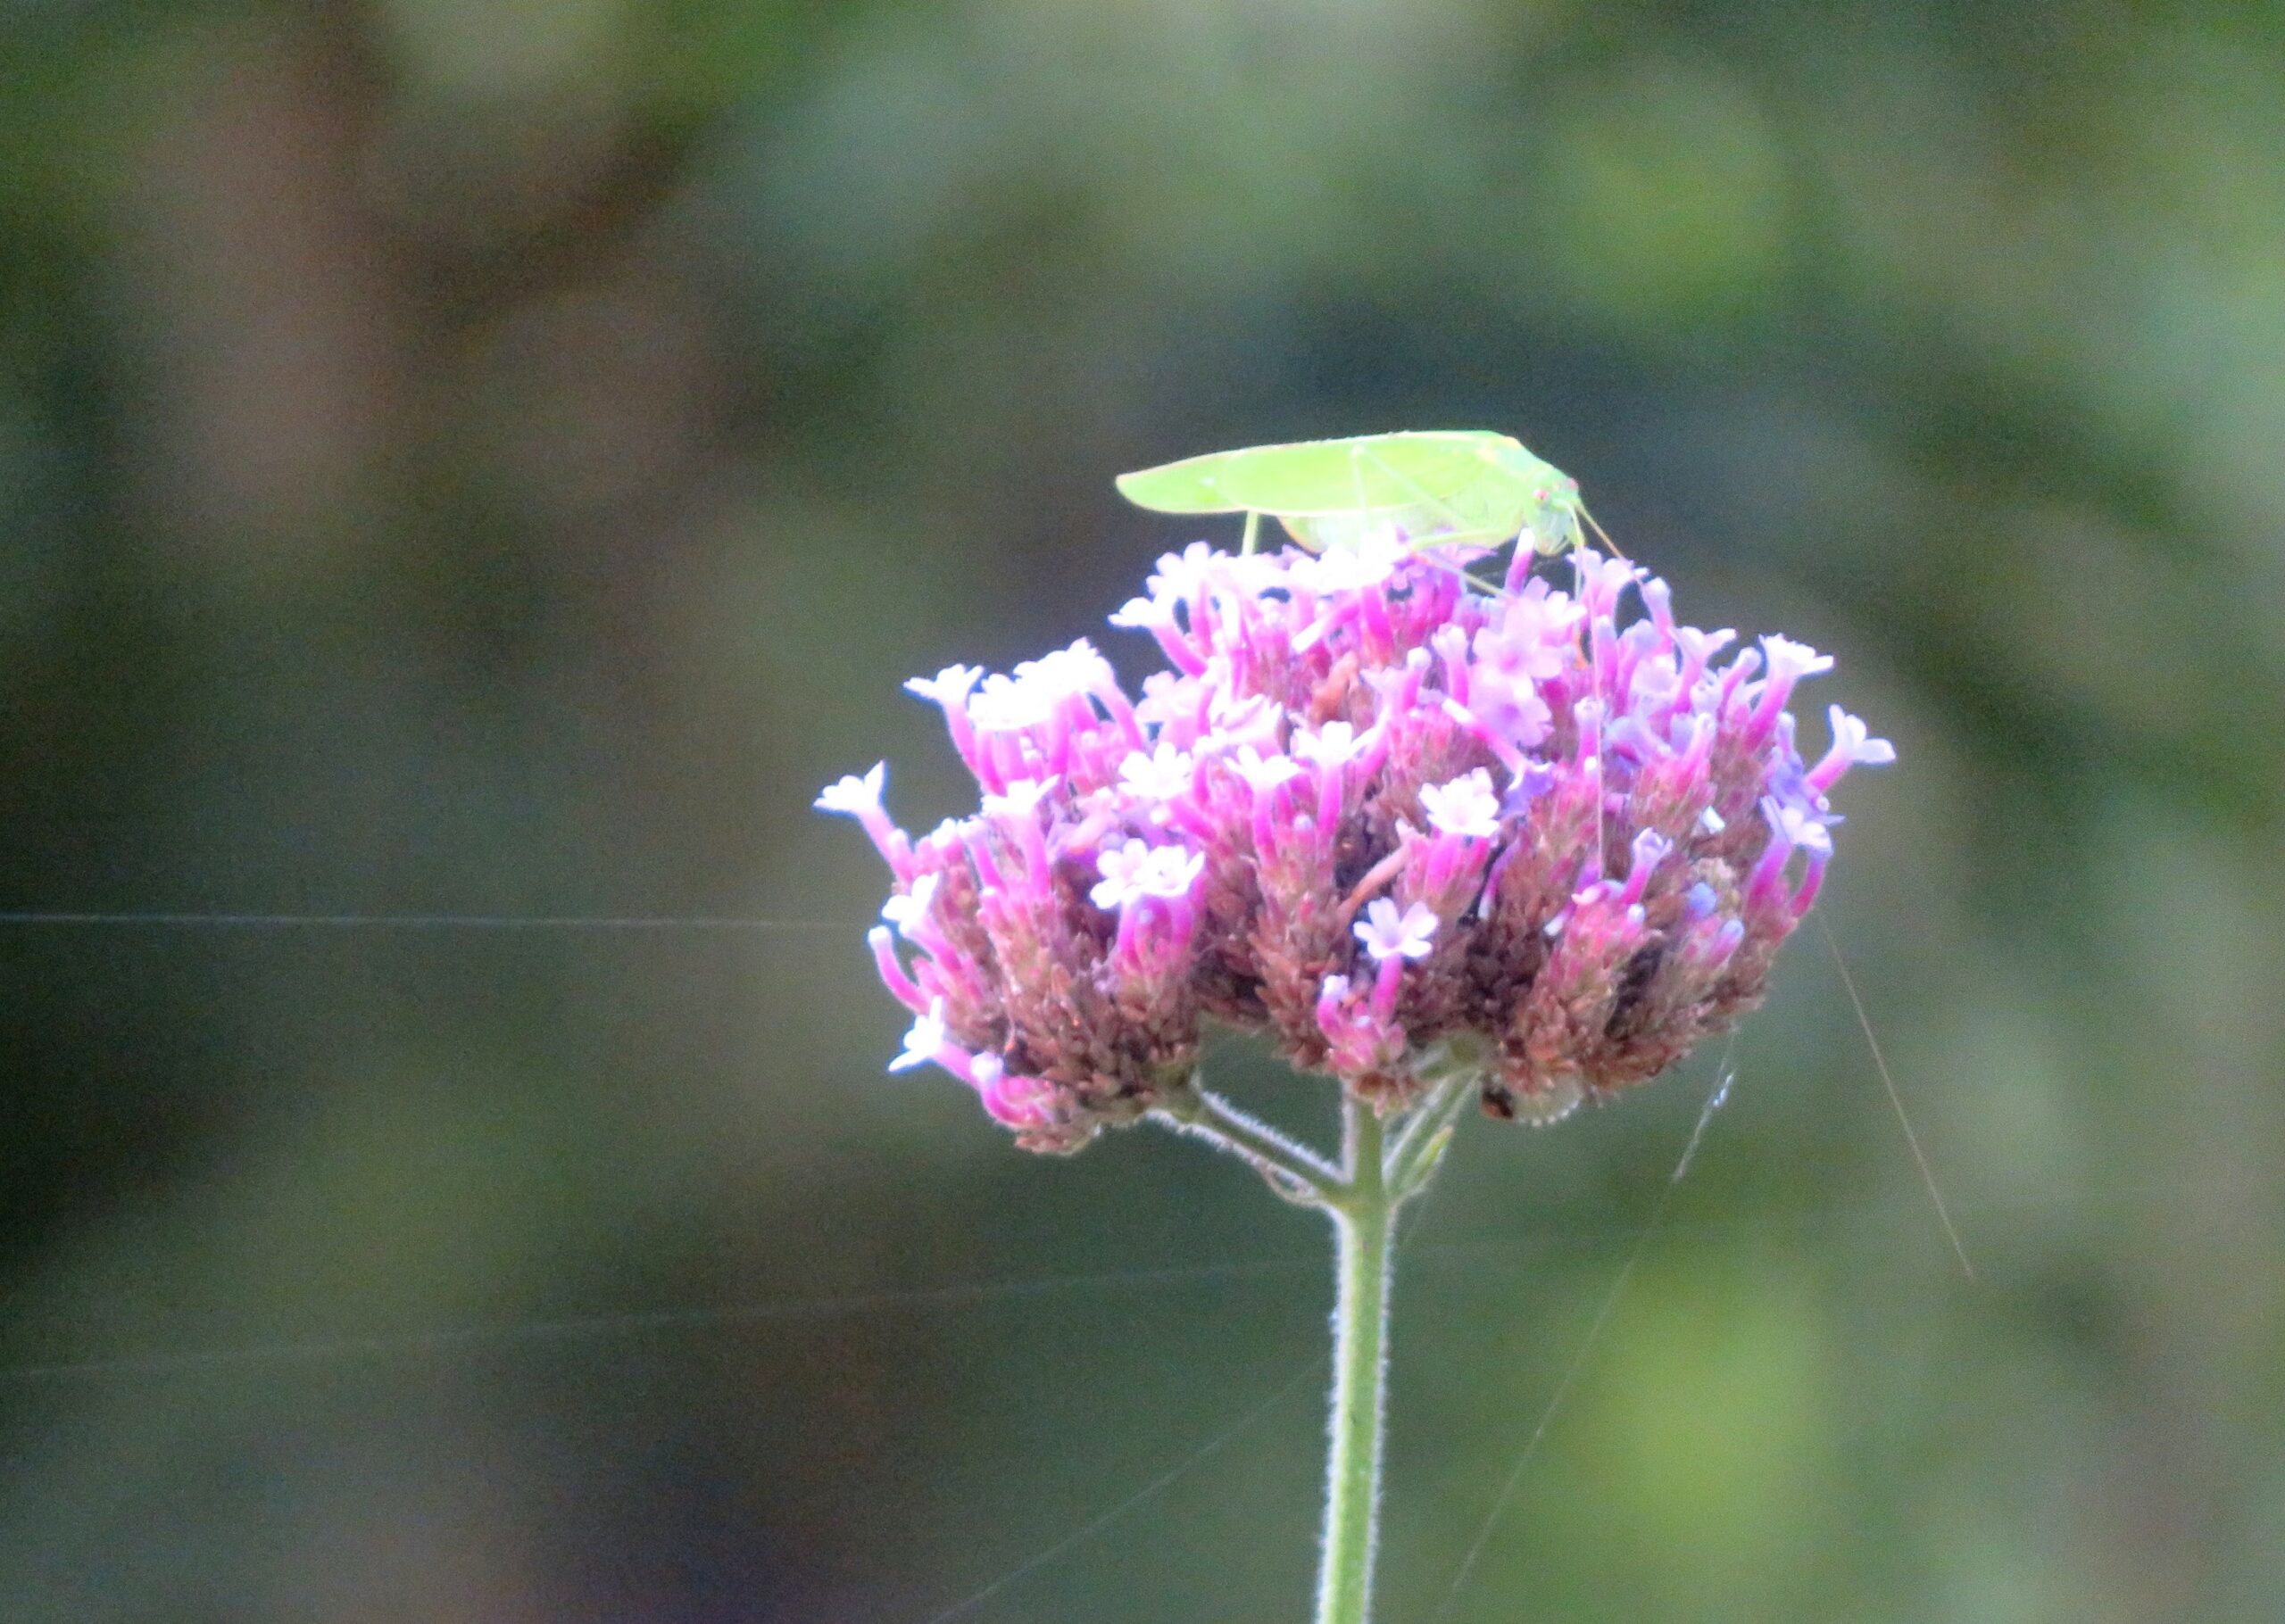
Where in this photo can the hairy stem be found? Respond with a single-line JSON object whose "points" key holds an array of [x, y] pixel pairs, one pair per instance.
{"points": [[1292, 1169], [1377, 1174], [1363, 1221]]}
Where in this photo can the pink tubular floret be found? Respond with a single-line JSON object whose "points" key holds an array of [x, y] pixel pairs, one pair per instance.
{"points": [[1365, 812], [892, 969]]}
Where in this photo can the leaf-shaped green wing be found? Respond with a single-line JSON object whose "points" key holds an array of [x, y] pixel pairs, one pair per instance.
{"points": [[1362, 474]]}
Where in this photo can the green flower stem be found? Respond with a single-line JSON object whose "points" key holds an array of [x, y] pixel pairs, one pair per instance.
{"points": [[1363, 1220], [1378, 1173], [1292, 1169]]}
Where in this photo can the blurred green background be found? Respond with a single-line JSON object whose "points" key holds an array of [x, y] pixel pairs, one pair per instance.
{"points": [[502, 460]]}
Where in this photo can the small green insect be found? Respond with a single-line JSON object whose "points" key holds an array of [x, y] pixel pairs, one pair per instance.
{"points": [[1431, 487]]}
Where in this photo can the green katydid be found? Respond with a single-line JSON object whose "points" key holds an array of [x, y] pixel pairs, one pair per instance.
{"points": [[1435, 487]]}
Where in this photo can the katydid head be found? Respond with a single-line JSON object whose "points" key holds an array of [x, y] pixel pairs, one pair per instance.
{"points": [[1546, 500], [1554, 515]]}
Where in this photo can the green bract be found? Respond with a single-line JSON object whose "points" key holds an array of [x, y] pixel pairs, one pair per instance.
{"points": [[1433, 487]]}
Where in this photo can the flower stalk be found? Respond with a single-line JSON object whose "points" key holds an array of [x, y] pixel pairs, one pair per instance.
{"points": [[1379, 1172], [1364, 1222], [1292, 1169]]}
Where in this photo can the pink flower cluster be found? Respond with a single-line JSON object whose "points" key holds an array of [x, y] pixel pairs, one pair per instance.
{"points": [[1368, 808]]}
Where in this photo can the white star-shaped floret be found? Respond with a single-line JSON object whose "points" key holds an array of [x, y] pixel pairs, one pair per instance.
{"points": [[1181, 574], [949, 687], [1803, 827], [1117, 865], [1793, 659], [1167, 872], [1005, 705], [1335, 745], [1388, 934], [1065, 674], [1167, 697], [1851, 742], [1021, 797], [1162, 774], [1143, 614], [854, 795], [907, 911], [925, 1042], [1135, 869], [1263, 773], [1467, 806]]}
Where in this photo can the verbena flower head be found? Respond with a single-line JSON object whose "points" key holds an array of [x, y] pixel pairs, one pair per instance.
{"points": [[1367, 810]]}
